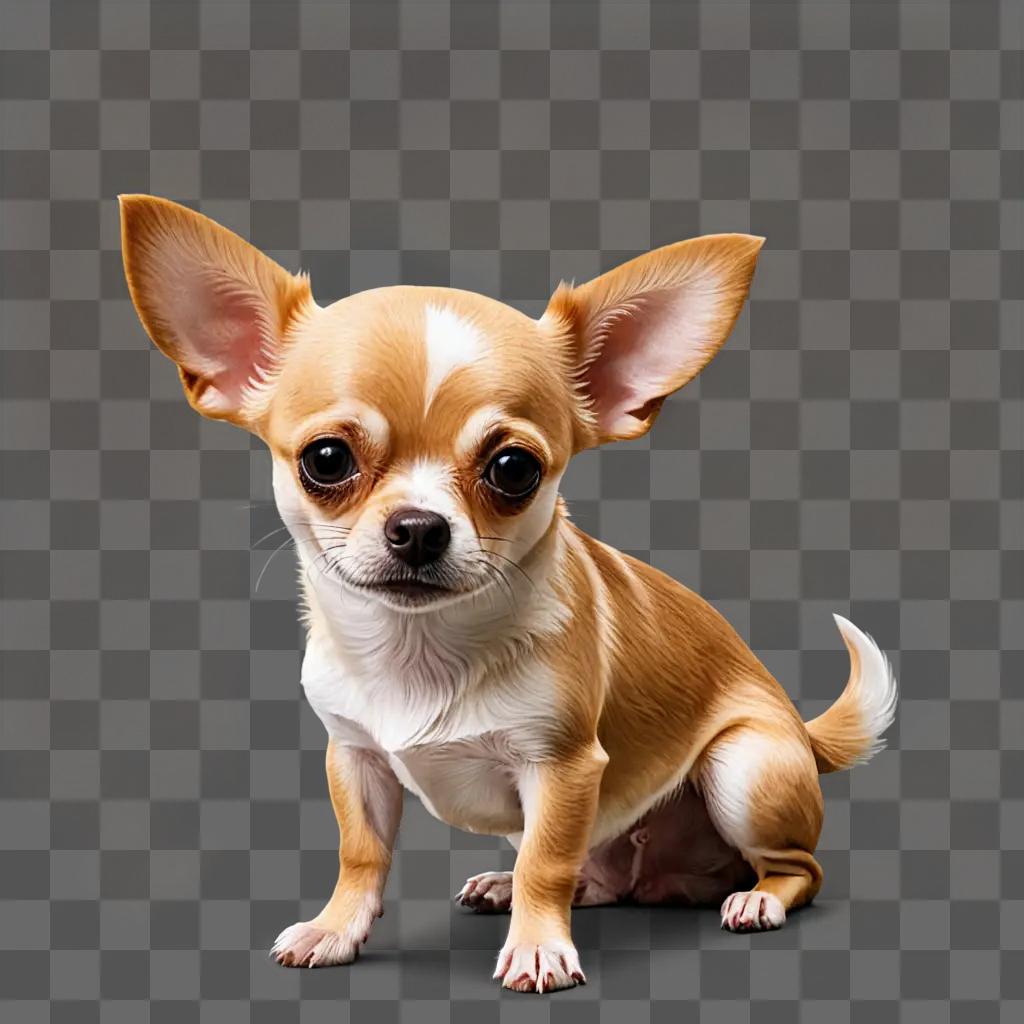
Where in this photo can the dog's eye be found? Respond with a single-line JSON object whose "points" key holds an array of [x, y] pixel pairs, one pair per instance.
{"points": [[328, 461], [514, 472]]}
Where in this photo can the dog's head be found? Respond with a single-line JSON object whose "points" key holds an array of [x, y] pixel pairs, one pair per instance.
{"points": [[419, 434]]}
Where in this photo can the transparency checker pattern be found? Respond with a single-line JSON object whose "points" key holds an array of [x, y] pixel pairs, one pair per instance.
{"points": [[856, 447]]}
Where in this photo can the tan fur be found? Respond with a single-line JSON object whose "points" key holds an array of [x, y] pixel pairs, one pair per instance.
{"points": [[653, 689], [559, 817]]}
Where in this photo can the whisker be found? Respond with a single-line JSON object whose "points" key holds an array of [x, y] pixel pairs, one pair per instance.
{"points": [[490, 595], [330, 528], [267, 536], [266, 566], [515, 565], [507, 589], [309, 569], [329, 567], [328, 554], [504, 585]]}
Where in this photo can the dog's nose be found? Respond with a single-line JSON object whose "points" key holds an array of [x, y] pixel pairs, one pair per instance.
{"points": [[417, 536]]}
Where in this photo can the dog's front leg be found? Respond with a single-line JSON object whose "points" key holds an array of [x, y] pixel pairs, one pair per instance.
{"points": [[559, 799], [367, 799]]}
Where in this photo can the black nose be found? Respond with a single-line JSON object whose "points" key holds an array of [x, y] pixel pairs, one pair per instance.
{"points": [[417, 536]]}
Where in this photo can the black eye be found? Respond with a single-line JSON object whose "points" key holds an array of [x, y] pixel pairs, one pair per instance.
{"points": [[328, 461], [513, 472]]}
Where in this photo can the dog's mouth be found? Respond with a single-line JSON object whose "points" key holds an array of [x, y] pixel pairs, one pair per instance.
{"points": [[411, 589], [408, 591], [419, 589]]}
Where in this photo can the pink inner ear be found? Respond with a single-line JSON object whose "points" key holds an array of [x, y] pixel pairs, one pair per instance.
{"points": [[223, 329], [651, 347]]}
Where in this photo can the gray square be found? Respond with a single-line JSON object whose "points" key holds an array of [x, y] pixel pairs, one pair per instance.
{"points": [[174, 25]]}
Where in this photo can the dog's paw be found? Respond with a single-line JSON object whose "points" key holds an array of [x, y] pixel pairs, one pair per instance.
{"points": [[489, 893], [753, 911], [307, 944], [539, 966], [323, 943]]}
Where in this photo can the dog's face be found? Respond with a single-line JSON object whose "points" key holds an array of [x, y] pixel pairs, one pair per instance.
{"points": [[418, 437], [419, 434]]}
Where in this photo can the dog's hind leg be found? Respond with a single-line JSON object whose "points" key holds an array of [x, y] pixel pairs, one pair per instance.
{"points": [[760, 784]]}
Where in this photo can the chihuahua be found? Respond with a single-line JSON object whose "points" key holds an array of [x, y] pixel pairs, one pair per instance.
{"points": [[465, 640]]}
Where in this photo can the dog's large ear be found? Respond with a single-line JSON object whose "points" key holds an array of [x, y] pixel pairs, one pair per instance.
{"points": [[641, 331], [209, 300]]}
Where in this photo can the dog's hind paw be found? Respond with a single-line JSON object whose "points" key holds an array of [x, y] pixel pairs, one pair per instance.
{"points": [[753, 911], [489, 893]]}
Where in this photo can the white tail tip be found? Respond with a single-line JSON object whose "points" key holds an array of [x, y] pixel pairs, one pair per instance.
{"points": [[877, 691]]}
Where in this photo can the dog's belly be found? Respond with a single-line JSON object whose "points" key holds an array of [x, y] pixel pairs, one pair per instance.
{"points": [[673, 854]]}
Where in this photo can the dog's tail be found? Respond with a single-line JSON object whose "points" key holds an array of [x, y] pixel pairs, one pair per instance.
{"points": [[850, 732]]}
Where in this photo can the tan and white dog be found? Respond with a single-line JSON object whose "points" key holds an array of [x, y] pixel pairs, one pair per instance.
{"points": [[465, 640]]}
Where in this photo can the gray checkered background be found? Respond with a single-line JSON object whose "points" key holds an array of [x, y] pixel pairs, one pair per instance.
{"points": [[855, 448]]}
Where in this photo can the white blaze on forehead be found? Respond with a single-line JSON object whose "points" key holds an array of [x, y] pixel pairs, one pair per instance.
{"points": [[428, 485], [451, 342]]}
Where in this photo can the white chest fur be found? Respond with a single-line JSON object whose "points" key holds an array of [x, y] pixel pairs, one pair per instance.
{"points": [[458, 700], [470, 784], [456, 716]]}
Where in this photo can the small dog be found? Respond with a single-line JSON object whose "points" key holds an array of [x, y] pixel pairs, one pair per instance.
{"points": [[465, 639]]}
